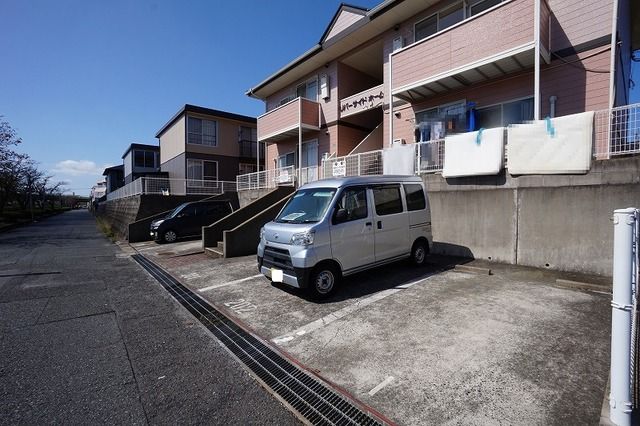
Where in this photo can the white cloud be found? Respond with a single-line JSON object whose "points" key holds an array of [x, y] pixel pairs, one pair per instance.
{"points": [[78, 168]]}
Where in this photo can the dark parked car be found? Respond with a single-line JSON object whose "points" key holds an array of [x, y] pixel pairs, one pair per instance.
{"points": [[188, 219]]}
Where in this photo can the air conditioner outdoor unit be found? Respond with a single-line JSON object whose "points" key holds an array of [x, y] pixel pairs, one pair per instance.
{"points": [[398, 142], [398, 43]]}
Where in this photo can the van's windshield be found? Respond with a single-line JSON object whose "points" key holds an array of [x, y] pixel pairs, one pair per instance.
{"points": [[306, 206]]}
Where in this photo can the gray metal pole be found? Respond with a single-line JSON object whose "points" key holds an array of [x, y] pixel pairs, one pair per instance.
{"points": [[621, 311]]}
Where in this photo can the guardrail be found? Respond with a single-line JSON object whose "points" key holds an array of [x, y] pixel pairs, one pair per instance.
{"points": [[617, 131], [429, 156], [172, 186], [266, 179]]}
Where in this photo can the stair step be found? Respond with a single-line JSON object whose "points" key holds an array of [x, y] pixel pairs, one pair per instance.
{"points": [[213, 252], [220, 245]]}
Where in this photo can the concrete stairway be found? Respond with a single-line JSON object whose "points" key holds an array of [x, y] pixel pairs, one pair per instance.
{"points": [[237, 234]]}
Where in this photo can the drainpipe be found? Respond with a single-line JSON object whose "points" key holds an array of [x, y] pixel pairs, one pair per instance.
{"points": [[536, 78], [612, 61], [299, 140], [390, 101], [621, 312], [552, 106]]}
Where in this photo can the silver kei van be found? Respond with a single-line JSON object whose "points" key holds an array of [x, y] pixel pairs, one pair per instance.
{"points": [[336, 227]]}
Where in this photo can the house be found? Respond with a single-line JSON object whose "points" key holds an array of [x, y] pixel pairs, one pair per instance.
{"points": [[449, 66], [140, 160], [114, 177], [98, 191], [199, 143]]}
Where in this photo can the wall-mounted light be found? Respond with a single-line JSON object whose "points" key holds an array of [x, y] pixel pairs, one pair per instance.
{"points": [[397, 114]]}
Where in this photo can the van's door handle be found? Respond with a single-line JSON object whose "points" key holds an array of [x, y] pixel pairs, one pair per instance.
{"points": [[368, 224], [379, 224]]}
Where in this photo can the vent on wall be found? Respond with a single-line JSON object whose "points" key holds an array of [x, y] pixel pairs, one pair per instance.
{"points": [[398, 43], [324, 86]]}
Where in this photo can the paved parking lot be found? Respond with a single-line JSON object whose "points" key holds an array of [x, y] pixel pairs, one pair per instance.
{"points": [[429, 345]]}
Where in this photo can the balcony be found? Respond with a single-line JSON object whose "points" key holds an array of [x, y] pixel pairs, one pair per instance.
{"points": [[494, 43], [283, 122], [249, 149], [361, 102]]}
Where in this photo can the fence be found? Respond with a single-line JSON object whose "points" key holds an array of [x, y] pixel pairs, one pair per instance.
{"points": [[617, 131], [365, 163], [171, 186], [266, 179], [430, 156]]}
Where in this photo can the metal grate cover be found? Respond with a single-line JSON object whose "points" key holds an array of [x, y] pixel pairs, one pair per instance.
{"points": [[313, 400]]}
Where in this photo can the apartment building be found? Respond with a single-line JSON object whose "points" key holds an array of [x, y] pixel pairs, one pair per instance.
{"points": [[199, 143], [450, 66], [114, 177], [140, 160]]}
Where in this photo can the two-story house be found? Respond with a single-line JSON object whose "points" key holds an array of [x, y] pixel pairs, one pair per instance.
{"points": [[450, 66], [114, 177], [140, 160], [199, 143]]}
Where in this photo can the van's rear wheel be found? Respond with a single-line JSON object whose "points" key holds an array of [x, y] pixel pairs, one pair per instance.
{"points": [[419, 253], [323, 281]]}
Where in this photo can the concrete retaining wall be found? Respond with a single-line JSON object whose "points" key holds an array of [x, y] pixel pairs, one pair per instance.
{"points": [[249, 196], [559, 222], [121, 212]]}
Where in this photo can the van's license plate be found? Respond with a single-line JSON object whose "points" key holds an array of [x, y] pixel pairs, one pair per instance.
{"points": [[277, 275]]}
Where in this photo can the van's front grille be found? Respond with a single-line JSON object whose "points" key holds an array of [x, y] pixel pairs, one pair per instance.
{"points": [[277, 258]]}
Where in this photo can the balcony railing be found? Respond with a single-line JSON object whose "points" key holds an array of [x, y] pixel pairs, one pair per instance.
{"points": [[362, 101], [285, 120], [266, 179], [503, 32], [617, 132], [249, 149]]}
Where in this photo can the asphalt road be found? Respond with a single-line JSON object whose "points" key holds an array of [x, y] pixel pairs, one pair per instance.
{"points": [[86, 336]]}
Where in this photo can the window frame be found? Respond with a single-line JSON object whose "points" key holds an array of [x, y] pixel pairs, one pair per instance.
{"points": [[362, 188], [285, 155], [145, 153], [306, 84], [406, 197], [501, 104], [437, 15], [202, 120], [201, 161], [462, 102]]}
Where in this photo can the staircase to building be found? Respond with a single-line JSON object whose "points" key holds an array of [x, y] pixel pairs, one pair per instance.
{"points": [[237, 234]]}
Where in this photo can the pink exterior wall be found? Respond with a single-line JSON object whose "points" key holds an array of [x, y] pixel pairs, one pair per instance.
{"points": [[472, 41], [574, 22], [345, 20], [283, 117], [291, 145], [349, 138]]}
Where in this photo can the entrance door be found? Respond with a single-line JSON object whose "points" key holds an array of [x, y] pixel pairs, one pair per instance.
{"points": [[310, 161]]}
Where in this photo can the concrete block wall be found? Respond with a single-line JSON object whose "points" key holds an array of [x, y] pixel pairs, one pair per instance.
{"points": [[560, 222]]}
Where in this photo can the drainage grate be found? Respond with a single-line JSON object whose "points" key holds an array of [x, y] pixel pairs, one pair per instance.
{"points": [[313, 400]]}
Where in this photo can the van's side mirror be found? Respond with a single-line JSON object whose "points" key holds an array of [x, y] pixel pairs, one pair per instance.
{"points": [[340, 216]]}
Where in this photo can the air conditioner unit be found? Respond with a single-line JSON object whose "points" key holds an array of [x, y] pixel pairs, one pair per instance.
{"points": [[397, 142], [398, 43], [324, 86]]}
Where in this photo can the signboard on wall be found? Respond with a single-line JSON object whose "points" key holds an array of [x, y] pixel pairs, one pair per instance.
{"points": [[339, 168]]}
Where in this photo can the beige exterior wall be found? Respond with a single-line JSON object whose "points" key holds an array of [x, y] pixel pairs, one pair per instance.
{"points": [[172, 141], [227, 137], [345, 19]]}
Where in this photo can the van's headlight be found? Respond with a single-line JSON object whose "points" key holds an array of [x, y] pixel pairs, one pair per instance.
{"points": [[302, 238], [262, 233]]}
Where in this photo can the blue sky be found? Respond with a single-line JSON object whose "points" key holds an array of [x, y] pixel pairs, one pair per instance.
{"points": [[81, 80]]}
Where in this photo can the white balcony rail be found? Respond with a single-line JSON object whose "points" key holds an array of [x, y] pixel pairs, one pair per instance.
{"points": [[172, 186], [266, 179], [365, 163], [617, 131]]}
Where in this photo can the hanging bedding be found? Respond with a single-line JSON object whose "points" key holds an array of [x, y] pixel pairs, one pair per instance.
{"points": [[474, 154]]}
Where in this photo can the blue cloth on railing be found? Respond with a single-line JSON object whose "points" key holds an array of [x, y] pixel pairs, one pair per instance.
{"points": [[479, 136], [550, 129]]}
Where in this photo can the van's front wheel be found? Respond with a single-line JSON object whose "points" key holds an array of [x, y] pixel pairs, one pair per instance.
{"points": [[323, 281], [419, 253]]}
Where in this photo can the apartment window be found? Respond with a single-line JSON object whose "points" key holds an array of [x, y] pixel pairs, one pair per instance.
{"points": [[477, 6], [244, 168], [504, 114], [439, 21], [438, 122], [308, 90], [288, 159], [248, 134], [202, 169], [202, 132], [144, 159]]}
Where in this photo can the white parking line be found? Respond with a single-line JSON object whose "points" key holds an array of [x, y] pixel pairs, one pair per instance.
{"points": [[340, 313], [384, 383], [211, 287]]}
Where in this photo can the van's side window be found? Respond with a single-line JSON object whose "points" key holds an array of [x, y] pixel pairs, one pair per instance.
{"points": [[188, 211], [415, 197], [354, 201], [387, 199]]}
